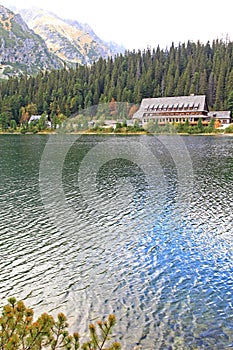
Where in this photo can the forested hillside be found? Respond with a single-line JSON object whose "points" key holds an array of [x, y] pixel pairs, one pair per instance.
{"points": [[189, 68]]}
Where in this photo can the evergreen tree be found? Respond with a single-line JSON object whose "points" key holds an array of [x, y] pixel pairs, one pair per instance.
{"points": [[186, 125], [230, 102], [189, 68], [200, 127]]}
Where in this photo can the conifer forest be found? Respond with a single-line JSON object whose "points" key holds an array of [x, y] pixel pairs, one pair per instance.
{"points": [[189, 68]]}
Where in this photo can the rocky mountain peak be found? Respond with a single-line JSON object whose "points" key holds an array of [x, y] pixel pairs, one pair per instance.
{"points": [[32, 40], [21, 50], [70, 40]]}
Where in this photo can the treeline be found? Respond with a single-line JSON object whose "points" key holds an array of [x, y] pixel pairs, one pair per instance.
{"points": [[188, 68]]}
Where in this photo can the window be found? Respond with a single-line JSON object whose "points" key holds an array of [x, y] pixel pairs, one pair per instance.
{"points": [[191, 105]]}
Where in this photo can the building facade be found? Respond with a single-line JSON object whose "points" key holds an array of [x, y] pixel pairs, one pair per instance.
{"points": [[177, 109], [221, 117]]}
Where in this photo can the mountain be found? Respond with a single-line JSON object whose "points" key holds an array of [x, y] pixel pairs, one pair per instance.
{"points": [[32, 40], [71, 41], [192, 68], [21, 50]]}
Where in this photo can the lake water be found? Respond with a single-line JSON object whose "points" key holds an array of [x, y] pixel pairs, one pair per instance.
{"points": [[140, 226]]}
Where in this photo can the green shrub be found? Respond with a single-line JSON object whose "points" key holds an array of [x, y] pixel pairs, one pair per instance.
{"points": [[229, 129], [18, 331]]}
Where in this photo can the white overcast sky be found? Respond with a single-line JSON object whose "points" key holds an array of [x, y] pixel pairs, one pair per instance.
{"points": [[139, 24]]}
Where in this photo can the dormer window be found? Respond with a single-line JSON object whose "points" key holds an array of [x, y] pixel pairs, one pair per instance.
{"points": [[191, 105]]}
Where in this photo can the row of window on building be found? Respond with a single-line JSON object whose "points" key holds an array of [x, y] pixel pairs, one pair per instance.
{"points": [[171, 120], [176, 106]]}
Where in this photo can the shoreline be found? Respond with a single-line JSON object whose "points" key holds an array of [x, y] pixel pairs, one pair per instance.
{"points": [[112, 133]]}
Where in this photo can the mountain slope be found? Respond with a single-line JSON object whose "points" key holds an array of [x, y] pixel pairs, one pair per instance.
{"points": [[21, 50], [69, 40]]}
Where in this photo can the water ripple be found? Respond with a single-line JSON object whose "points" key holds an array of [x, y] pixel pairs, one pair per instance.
{"points": [[164, 270]]}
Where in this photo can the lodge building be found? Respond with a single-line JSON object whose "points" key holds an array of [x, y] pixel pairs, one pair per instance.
{"points": [[177, 110]]}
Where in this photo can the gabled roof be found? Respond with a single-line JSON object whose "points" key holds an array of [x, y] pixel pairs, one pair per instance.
{"points": [[174, 103], [220, 114]]}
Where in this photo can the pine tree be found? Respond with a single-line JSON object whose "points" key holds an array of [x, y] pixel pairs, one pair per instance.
{"points": [[188, 68]]}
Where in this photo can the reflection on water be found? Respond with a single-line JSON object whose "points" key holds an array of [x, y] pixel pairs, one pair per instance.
{"points": [[124, 243]]}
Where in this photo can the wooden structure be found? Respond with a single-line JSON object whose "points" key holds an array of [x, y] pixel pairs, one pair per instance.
{"points": [[173, 110], [221, 117]]}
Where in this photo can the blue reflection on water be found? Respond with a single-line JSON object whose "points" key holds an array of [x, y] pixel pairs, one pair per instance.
{"points": [[165, 271]]}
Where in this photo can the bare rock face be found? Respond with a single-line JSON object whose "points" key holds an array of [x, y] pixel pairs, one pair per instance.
{"points": [[33, 40], [21, 50], [69, 40]]}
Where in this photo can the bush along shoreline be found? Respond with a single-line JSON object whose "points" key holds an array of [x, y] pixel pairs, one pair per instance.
{"points": [[71, 125]]}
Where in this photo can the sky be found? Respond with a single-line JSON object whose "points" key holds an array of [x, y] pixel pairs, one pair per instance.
{"points": [[142, 24]]}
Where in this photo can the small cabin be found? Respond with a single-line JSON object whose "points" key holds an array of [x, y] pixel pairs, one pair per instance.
{"points": [[223, 117]]}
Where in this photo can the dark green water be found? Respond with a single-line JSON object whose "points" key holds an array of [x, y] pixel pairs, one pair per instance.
{"points": [[137, 225]]}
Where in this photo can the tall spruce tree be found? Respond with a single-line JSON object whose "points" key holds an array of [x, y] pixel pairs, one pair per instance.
{"points": [[187, 68]]}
